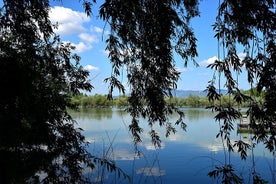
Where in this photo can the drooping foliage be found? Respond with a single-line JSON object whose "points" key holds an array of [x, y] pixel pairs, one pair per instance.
{"points": [[144, 35], [250, 26]]}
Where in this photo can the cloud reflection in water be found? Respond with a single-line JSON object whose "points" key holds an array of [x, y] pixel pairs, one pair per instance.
{"points": [[151, 171]]}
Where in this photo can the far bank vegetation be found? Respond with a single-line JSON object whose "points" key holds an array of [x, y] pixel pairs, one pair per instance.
{"points": [[98, 101]]}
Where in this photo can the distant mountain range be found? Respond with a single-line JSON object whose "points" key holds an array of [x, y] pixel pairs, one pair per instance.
{"points": [[186, 93]]}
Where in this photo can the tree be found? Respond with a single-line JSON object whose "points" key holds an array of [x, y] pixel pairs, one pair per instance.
{"points": [[38, 74], [144, 35], [250, 25]]}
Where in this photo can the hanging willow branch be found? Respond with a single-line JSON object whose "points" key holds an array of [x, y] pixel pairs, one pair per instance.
{"points": [[143, 36], [251, 25]]}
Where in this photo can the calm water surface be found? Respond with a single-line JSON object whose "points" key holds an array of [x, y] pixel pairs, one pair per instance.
{"points": [[185, 157]]}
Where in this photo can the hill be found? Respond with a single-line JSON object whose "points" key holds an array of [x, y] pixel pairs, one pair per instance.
{"points": [[186, 93]]}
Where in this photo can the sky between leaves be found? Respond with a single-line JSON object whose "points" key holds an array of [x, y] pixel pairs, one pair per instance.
{"points": [[88, 34]]}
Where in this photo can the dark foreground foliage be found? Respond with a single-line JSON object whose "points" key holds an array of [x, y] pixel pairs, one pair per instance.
{"points": [[39, 74]]}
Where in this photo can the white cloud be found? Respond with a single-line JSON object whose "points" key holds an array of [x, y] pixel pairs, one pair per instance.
{"points": [[72, 22], [69, 21], [82, 47], [99, 30], [208, 61], [88, 38], [90, 67], [211, 60], [96, 29], [181, 70]]}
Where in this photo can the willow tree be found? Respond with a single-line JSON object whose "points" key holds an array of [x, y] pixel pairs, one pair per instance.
{"points": [[249, 27], [144, 35]]}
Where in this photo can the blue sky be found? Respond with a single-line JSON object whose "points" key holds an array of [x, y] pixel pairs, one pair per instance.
{"points": [[88, 34]]}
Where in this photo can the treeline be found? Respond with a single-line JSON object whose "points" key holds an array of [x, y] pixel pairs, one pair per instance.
{"points": [[99, 100]]}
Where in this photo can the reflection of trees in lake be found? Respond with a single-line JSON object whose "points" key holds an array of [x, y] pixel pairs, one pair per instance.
{"points": [[121, 112], [92, 113], [97, 113], [194, 114]]}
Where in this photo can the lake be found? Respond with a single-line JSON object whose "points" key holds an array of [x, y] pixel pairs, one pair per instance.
{"points": [[184, 157]]}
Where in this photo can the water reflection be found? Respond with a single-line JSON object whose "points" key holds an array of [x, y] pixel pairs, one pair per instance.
{"points": [[92, 113], [184, 157], [194, 114], [151, 171], [123, 154], [201, 130]]}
